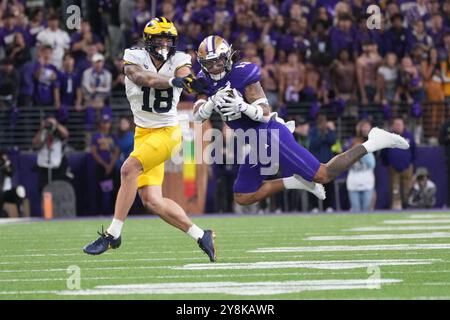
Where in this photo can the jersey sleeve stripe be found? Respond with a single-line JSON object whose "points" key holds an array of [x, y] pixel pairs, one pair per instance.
{"points": [[255, 70], [183, 65], [125, 62]]}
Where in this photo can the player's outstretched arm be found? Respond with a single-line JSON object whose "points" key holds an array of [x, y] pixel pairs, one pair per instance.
{"points": [[145, 78]]}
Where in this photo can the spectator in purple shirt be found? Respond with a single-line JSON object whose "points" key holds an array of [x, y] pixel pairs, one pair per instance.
{"points": [[398, 39], [363, 34], [342, 36], [170, 11], [70, 87], [296, 38], [244, 30], [8, 31], [46, 84], [320, 44], [82, 40], [191, 38], [141, 16], [420, 35], [437, 30], [273, 33], [105, 151], [9, 85], [19, 53], [401, 165], [26, 88], [36, 25]]}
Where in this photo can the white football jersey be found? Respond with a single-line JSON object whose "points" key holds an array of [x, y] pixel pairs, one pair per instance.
{"points": [[154, 108]]}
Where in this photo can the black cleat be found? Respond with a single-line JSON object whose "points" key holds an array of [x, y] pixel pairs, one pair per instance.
{"points": [[206, 243], [103, 243]]}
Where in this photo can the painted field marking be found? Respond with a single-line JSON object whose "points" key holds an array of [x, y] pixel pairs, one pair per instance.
{"points": [[233, 288], [429, 216], [417, 221], [378, 247], [96, 261], [311, 264], [399, 228], [431, 235], [4, 221], [84, 268], [226, 275]]}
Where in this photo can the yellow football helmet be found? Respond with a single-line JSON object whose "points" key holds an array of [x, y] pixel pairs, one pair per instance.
{"points": [[154, 31]]}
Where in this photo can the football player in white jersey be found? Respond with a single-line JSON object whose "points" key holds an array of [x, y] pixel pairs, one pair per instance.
{"points": [[156, 76]]}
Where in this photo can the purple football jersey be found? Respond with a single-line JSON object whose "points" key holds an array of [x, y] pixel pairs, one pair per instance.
{"points": [[241, 75]]}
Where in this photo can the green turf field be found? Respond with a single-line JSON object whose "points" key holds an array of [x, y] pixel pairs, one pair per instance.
{"points": [[339, 256]]}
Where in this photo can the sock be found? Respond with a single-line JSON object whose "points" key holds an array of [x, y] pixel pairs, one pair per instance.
{"points": [[291, 183], [115, 229], [195, 232], [370, 146]]}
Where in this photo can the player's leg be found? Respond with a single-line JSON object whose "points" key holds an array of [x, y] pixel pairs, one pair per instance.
{"points": [[296, 163], [378, 139], [130, 171], [167, 209], [150, 150], [172, 213], [155, 151]]}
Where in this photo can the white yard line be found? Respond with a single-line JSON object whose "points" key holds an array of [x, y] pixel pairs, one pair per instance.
{"points": [[235, 288], [311, 264], [4, 221], [380, 247], [417, 221], [431, 235], [429, 216], [399, 228], [96, 260]]}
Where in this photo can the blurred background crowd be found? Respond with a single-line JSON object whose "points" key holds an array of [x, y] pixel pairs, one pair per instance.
{"points": [[321, 66]]}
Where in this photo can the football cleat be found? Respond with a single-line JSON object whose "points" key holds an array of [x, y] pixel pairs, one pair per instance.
{"points": [[206, 243], [316, 189], [102, 244], [383, 139]]}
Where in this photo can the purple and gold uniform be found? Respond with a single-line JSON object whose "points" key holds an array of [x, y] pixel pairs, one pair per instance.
{"points": [[293, 158]]}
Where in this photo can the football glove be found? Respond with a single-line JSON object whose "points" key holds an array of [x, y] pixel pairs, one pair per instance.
{"points": [[189, 83], [235, 103]]}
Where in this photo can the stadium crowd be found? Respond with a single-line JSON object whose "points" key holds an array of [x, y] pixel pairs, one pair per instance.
{"points": [[316, 55]]}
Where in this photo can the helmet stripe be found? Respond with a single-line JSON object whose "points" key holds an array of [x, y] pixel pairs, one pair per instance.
{"points": [[210, 46], [213, 41]]}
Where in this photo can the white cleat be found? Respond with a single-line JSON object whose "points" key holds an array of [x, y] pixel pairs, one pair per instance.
{"points": [[315, 188], [382, 139]]}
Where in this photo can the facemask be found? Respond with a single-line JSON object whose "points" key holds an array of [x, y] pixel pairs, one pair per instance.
{"points": [[164, 52], [219, 76]]}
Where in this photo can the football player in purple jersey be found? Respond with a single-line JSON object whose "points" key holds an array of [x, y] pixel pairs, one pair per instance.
{"points": [[235, 92]]}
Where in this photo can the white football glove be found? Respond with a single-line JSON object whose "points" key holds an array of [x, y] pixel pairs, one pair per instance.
{"points": [[237, 104], [218, 97], [233, 105]]}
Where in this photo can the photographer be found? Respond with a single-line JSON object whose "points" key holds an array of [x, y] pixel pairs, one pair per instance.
{"points": [[51, 162], [11, 198], [423, 192]]}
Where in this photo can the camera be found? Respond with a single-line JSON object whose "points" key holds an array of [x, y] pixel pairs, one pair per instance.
{"points": [[49, 126]]}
